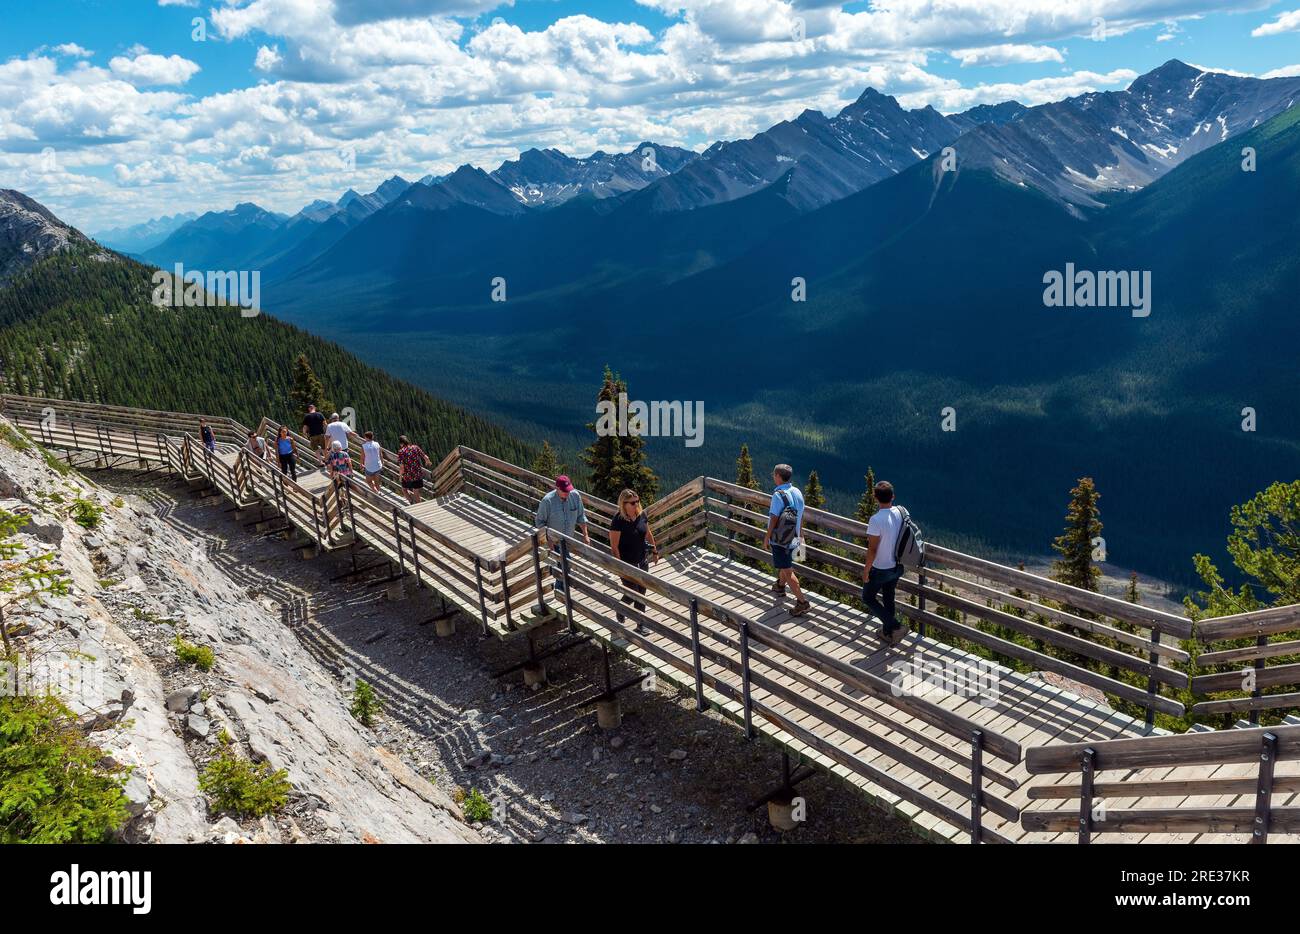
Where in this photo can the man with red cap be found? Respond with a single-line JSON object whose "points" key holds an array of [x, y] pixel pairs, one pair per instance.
{"points": [[561, 510]]}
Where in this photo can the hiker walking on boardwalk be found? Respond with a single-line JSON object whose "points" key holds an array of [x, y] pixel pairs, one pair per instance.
{"points": [[629, 534], [373, 461], [339, 464], [412, 461], [881, 572], [784, 525], [313, 426], [287, 451], [206, 433], [337, 431], [561, 510], [256, 446]]}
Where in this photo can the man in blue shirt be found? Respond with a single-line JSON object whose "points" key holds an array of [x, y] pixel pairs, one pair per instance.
{"points": [[561, 510], [786, 496]]}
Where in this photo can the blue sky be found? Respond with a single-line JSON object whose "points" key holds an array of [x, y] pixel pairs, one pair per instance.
{"points": [[111, 112]]}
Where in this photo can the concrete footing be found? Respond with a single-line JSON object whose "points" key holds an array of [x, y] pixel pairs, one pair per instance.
{"points": [[445, 627], [396, 590], [307, 552], [780, 813], [534, 675], [609, 713]]}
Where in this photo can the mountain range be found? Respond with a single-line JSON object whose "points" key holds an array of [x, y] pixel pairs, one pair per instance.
{"points": [[921, 242]]}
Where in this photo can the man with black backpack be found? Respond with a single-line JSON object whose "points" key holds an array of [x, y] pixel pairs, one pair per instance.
{"points": [[890, 531], [785, 521]]}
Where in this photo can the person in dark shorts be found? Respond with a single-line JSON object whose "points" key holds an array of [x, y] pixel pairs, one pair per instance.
{"points": [[629, 536], [313, 426], [287, 451], [412, 461], [785, 496]]}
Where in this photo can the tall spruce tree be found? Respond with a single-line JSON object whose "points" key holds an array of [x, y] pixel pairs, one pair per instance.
{"points": [[867, 505], [306, 390], [745, 469], [1074, 545], [813, 495], [617, 459], [1133, 595], [546, 463]]}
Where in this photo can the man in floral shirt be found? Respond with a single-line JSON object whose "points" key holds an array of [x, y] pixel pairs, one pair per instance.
{"points": [[412, 461]]}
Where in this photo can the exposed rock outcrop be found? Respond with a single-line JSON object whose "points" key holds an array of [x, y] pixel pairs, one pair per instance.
{"points": [[136, 585]]}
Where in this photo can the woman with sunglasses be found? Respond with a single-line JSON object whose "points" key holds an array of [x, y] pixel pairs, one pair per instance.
{"points": [[629, 534]]}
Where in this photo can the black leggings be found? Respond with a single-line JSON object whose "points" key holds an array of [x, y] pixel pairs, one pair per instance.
{"points": [[287, 465]]}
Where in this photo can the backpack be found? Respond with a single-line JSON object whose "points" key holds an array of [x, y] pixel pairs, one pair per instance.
{"points": [[787, 523], [909, 549]]}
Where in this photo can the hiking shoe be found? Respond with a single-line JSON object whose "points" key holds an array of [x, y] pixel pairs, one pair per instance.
{"points": [[779, 589], [800, 608]]}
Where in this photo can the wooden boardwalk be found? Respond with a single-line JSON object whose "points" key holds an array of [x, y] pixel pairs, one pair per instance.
{"points": [[822, 687]]}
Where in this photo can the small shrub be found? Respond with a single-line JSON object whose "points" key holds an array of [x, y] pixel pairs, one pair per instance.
{"points": [[366, 705], [200, 656], [87, 513], [14, 438], [54, 787], [477, 808], [240, 787]]}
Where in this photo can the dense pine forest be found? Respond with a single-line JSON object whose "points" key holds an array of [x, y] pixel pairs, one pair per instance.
{"points": [[82, 325]]}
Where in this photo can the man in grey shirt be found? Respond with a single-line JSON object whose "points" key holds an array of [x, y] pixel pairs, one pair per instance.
{"points": [[561, 510]]}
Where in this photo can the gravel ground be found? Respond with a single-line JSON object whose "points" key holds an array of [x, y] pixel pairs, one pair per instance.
{"points": [[668, 775]]}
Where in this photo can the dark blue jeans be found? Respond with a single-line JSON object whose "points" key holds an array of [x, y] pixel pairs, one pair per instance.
{"points": [[878, 595]]}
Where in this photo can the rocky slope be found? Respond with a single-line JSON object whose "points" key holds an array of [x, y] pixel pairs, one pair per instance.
{"points": [[28, 233], [137, 583]]}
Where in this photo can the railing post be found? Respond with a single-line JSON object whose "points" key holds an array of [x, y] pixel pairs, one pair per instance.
{"points": [[695, 650], [1153, 686], [482, 600], [315, 517], [1264, 791], [744, 678], [537, 571], [410, 527], [920, 599], [505, 595], [1085, 796], [1260, 642], [397, 534], [977, 786], [568, 590]]}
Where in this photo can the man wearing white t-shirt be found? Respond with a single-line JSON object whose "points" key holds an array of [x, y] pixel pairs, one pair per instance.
{"points": [[337, 431], [881, 573]]}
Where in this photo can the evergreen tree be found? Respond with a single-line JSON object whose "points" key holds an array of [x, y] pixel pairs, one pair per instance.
{"points": [[1074, 545], [745, 469], [546, 463], [1265, 546], [617, 461], [812, 493], [867, 505], [306, 390], [1133, 595]]}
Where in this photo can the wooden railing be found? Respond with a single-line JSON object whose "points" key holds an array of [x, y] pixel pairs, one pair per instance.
{"points": [[1157, 760], [982, 603], [755, 675], [1268, 641]]}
